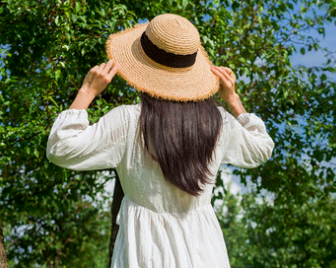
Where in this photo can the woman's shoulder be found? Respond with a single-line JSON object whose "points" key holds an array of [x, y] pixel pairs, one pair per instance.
{"points": [[221, 108], [124, 111], [223, 112], [135, 106], [127, 108], [133, 109]]}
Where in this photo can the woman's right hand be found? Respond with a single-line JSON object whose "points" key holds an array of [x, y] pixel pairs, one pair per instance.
{"points": [[227, 83], [99, 77]]}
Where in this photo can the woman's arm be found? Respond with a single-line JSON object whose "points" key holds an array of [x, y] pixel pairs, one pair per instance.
{"points": [[227, 89], [75, 144], [94, 83], [247, 143], [236, 106]]}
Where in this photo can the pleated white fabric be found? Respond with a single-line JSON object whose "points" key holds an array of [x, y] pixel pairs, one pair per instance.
{"points": [[159, 224]]}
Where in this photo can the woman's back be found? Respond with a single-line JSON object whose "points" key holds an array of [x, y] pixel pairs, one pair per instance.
{"points": [[143, 181], [160, 224]]}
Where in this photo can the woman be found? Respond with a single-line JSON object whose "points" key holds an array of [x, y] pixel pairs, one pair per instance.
{"points": [[167, 149]]}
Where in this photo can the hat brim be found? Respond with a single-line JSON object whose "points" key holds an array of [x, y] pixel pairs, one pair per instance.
{"points": [[193, 83]]}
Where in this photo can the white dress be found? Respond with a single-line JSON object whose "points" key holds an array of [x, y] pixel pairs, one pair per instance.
{"points": [[160, 226]]}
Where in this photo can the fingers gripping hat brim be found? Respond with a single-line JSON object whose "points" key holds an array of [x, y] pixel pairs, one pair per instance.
{"points": [[193, 83]]}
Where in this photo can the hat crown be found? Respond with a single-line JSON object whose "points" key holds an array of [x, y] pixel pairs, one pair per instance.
{"points": [[174, 34]]}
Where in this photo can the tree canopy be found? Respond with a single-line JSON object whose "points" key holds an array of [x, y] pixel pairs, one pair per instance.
{"points": [[52, 217]]}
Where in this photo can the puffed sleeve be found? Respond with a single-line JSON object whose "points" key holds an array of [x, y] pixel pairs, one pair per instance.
{"points": [[246, 142], [75, 144]]}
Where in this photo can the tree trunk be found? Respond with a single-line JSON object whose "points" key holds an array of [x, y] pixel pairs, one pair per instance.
{"points": [[3, 256], [56, 260], [118, 195]]}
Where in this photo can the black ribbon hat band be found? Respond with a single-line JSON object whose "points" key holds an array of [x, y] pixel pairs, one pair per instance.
{"points": [[166, 58]]}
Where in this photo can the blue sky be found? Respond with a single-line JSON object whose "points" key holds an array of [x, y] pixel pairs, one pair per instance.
{"points": [[313, 58]]}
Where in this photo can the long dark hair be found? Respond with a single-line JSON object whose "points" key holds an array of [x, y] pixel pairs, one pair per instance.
{"points": [[181, 137]]}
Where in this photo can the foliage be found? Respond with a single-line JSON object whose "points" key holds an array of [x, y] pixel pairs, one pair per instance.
{"points": [[48, 47], [261, 232], [61, 233]]}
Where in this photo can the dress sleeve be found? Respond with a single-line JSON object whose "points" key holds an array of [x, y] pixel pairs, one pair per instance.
{"points": [[246, 142], [75, 144]]}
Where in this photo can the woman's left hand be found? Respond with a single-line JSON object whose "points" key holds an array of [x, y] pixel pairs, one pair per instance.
{"points": [[99, 77]]}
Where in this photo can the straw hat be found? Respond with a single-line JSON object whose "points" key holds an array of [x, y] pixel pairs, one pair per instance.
{"points": [[164, 58]]}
